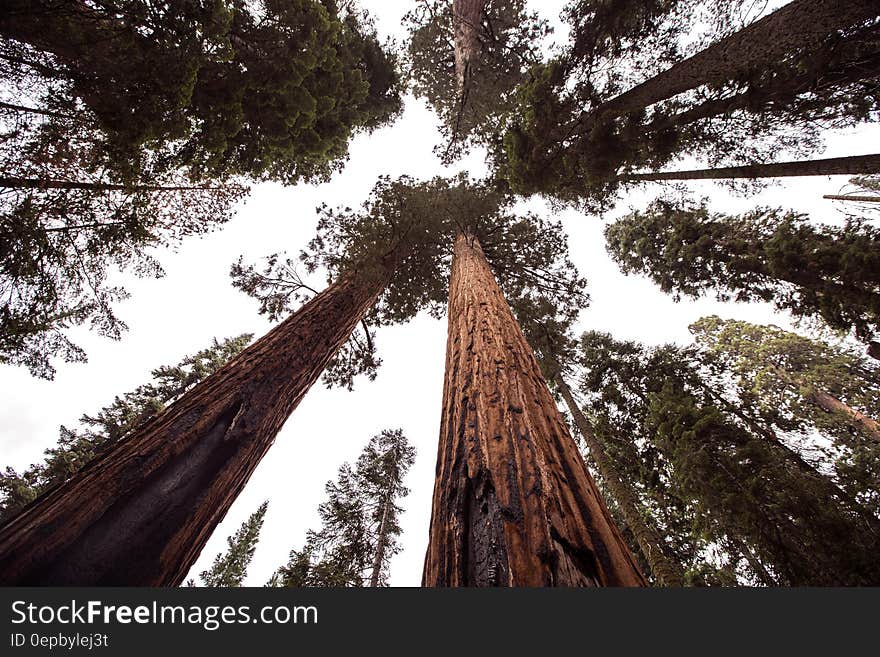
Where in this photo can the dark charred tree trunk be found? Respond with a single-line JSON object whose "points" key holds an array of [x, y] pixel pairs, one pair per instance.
{"points": [[854, 164], [874, 349], [799, 24], [141, 513], [665, 569], [514, 504]]}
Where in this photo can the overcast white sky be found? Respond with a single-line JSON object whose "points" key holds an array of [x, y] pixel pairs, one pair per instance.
{"points": [[195, 302]]}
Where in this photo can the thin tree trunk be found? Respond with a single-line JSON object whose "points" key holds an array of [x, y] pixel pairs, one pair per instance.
{"points": [[852, 197], [667, 571], [141, 512], [833, 166], [381, 542], [799, 24], [11, 182], [30, 110], [514, 504]]}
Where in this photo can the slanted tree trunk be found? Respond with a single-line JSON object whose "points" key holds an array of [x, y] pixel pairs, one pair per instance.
{"points": [[141, 513], [852, 197], [868, 426], [829, 403], [514, 504], [665, 569], [799, 24], [873, 349], [854, 164]]}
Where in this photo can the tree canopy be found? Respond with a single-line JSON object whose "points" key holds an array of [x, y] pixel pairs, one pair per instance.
{"points": [[813, 271]]}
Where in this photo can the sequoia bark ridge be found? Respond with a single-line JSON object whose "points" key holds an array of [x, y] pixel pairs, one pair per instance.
{"points": [[141, 513], [514, 504]]}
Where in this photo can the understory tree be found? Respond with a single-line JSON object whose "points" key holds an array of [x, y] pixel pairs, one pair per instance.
{"points": [[230, 568], [804, 387], [359, 521]]}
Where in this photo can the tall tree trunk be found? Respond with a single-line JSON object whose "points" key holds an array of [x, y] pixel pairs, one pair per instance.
{"points": [[380, 546], [514, 504], [466, 18], [141, 513], [852, 197], [11, 182], [383, 527], [667, 571], [833, 166], [799, 24]]}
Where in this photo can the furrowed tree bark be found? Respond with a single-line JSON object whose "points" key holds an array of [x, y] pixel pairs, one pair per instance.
{"points": [[466, 18], [826, 167], [665, 570], [141, 513], [514, 504], [799, 24]]}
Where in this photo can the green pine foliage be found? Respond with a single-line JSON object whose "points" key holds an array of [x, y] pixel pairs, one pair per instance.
{"points": [[558, 142], [230, 568], [78, 446], [528, 254], [780, 372], [510, 39], [359, 521], [821, 272], [272, 90], [735, 502]]}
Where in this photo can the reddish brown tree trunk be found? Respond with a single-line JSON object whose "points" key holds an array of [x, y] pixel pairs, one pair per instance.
{"points": [[141, 513], [826, 167], [799, 24], [466, 18], [514, 504], [869, 426], [665, 569]]}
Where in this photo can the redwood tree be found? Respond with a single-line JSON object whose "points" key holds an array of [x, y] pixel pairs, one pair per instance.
{"points": [[141, 512], [514, 504]]}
